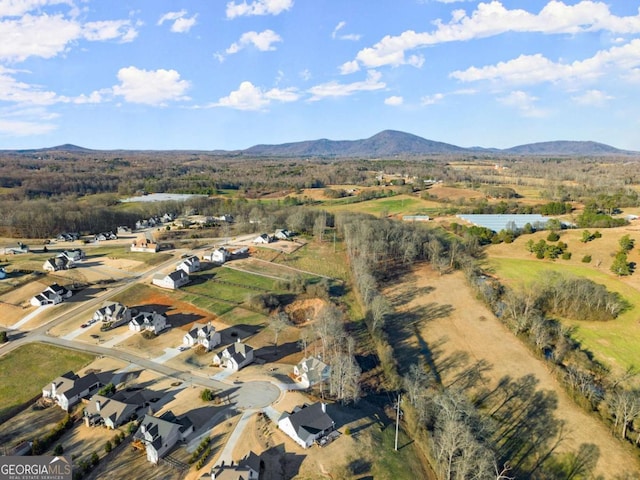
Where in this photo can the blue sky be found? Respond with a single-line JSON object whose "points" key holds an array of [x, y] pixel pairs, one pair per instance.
{"points": [[216, 74]]}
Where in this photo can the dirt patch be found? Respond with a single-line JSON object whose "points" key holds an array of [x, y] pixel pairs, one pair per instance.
{"points": [[456, 326], [453, 193], [303, 311]]}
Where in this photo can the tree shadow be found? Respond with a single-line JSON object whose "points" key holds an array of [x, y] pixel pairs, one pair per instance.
{"points": [[270, 354]]}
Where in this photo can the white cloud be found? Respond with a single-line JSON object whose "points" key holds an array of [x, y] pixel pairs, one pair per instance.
{"points": [[592, 98], [21, 128], [14, 91], [523, 102], [349, 67], [258, 7], [533, 69], [335, 89], [250, 97], [394, 101], [263, 41], [109, 30], [305, 74], [181, 23], [492, 18], [350, 36], [431, 99], [17, 8], [46, 36], [150, 87]]}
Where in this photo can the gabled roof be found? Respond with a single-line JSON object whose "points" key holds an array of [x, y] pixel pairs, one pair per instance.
{"points": [[177, 275], [309, 420], [313, 367], [154, 429], [59, 289], [117, 411]]}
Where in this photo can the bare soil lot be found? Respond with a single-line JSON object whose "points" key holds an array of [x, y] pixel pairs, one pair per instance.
{"points": [[455, 331]]}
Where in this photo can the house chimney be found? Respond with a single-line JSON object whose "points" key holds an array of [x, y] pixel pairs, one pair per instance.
{"points": [[98, 406], [324, 407], [53, 389]]}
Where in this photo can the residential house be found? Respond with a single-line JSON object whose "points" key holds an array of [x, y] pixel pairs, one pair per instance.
{"points": [[123, 230], [160, 434], [307, 423], [113, 313], [236, 356], [118, 409], [225, 218], [151, 321], [219, 256], [21, 248], [55, 264], [246, 469], [283, 234], [204, 335], [145, 243], [173, 280], [167, 217], [262, 239], [109, 412], [189, 265], [100, 237], [311, 371], [68, 389], [68, 237], [75, 255], [52, 295]]}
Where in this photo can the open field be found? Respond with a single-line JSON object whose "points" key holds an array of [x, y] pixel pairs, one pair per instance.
{"points": [[617, 342], [324, 258], [454, 331], [40, 364]]}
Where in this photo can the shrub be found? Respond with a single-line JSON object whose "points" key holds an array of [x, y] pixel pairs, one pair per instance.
{"points": [[206, 395], [3, 336], [566, 256], [586, 259], [553, 237], [59, 450]]}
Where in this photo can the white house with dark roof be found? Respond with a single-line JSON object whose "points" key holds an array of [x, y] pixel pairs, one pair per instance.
{"points": [[204, 335], [311, 371], [109, 412], [52, 295], [160, 434], [69, 388], [307, 423], [219, 255], [236, 356], [55, 264], [189, 265], [113, 313], [151, 321], [263, 239], [172, 281]]}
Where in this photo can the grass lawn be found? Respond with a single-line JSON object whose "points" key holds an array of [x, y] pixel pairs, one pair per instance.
{"points": [[245, 278], [616, 343], [208, 304], [241, 316], [392, 465], [406, 204], [320, 258], [121, 251], [28, 368]]}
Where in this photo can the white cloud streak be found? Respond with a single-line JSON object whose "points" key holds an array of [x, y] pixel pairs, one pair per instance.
{"points": [[181, 23], [394, 101], [336, 89], [257, 7], [492, 18], [523, 102], [534, 69]]}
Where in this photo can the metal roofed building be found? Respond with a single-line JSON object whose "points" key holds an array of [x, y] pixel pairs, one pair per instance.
{"points": [[498, 222]]}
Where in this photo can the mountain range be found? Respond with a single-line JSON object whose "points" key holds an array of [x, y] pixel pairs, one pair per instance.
{"points": [[390, 143]]}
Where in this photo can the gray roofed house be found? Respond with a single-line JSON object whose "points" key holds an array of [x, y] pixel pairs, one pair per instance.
{"points": [[151, 321], [113, 313], [311, 371], [189, 265], [160, 434], [234, 357], [112, 413], [246, 469], [201, 334], [69, 388], [307, 423], [52, 295], [173, 280]]}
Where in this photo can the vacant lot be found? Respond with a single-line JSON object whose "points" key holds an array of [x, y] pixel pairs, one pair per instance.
{"points": [[27, 369], [454, 331], [617, 342]]}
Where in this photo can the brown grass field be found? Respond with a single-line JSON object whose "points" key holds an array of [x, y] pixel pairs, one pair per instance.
{"points": [[460, 331]]}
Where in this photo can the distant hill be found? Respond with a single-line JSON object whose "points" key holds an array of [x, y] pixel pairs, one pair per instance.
{"points": [[388, 143], [565, 147], [383, 144]]}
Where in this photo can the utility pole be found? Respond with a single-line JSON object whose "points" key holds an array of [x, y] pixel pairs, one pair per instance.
{"points": [[397, 421]]}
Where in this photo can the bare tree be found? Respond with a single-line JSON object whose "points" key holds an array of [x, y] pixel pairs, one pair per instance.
{"points": [[279, 322], [625, 408], [379, 309], [329, 328], [416, 382]]}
